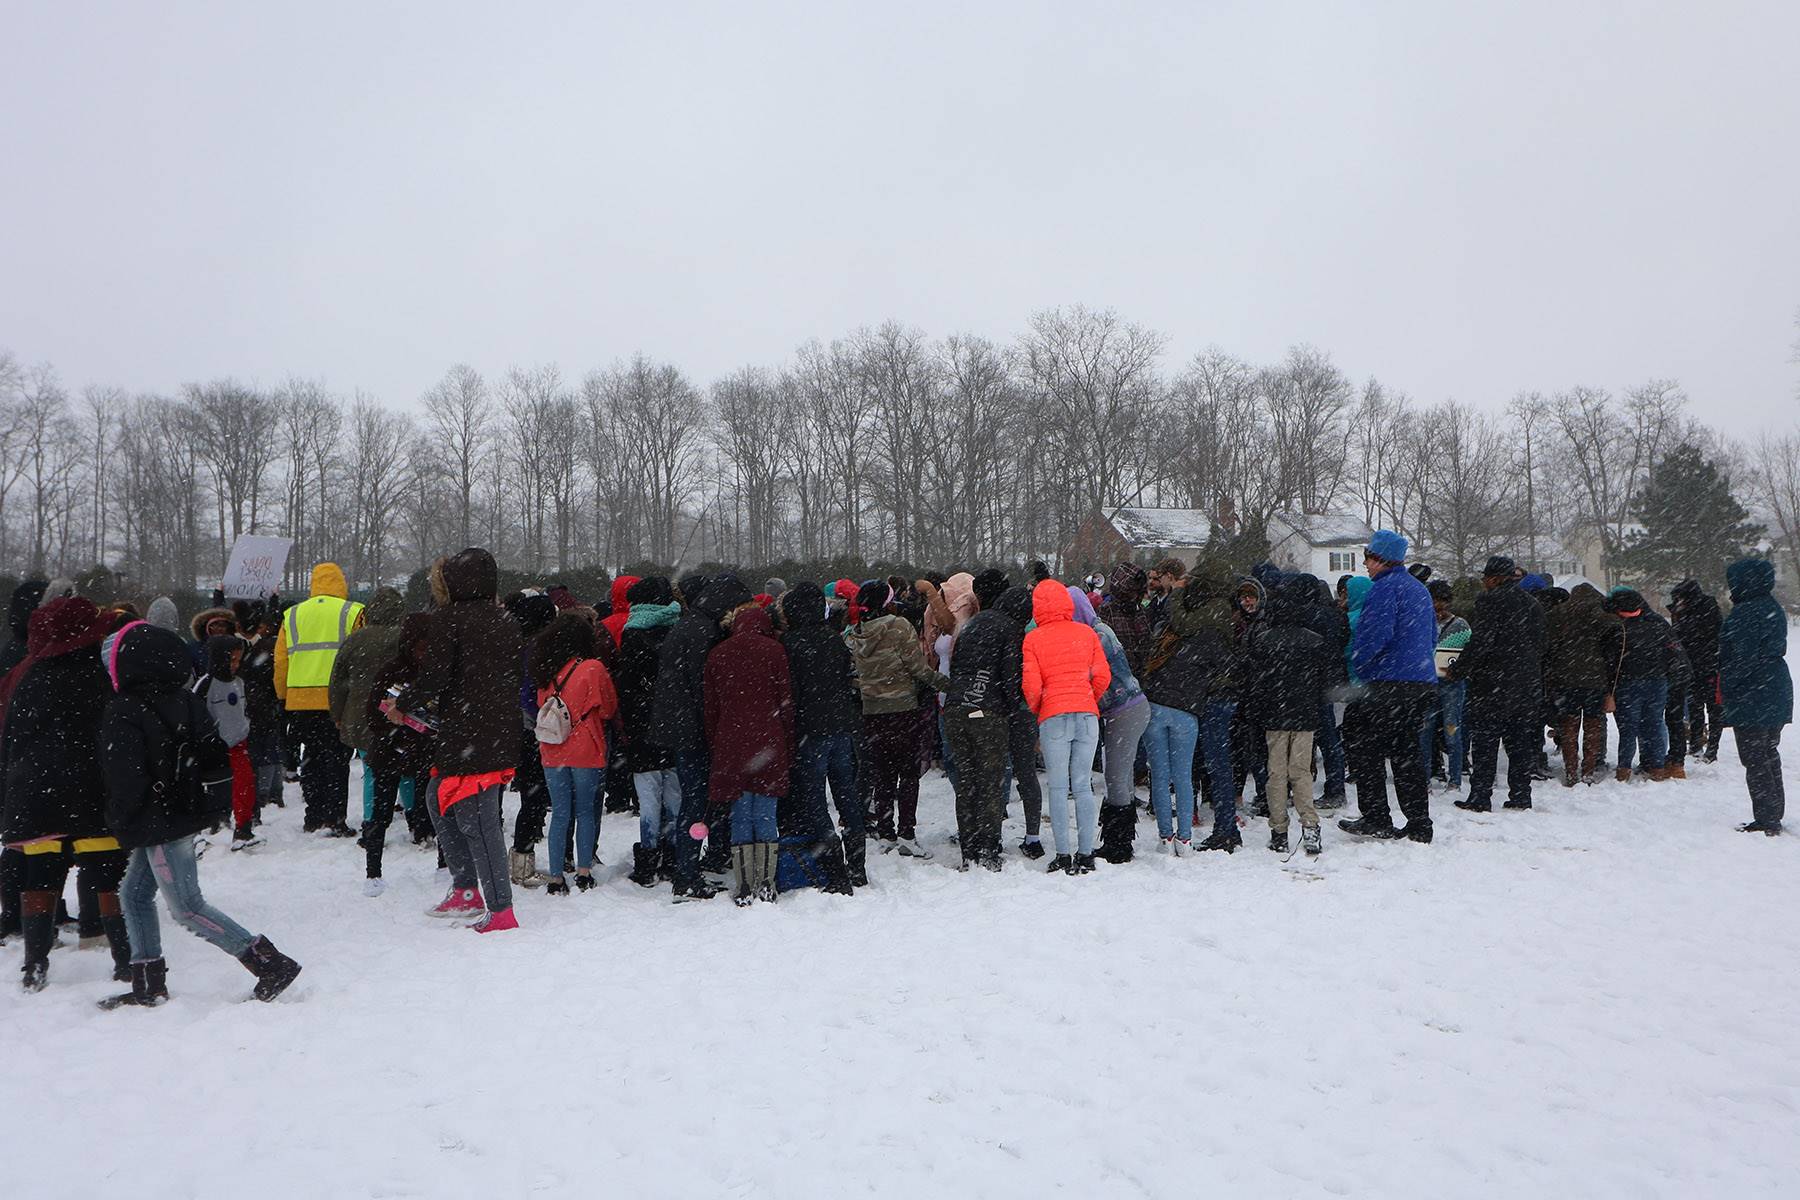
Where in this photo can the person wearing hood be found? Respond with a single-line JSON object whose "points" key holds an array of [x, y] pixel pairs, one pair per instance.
{"points": [[575, 699], [678, 714], [1326, 619], [987, 669], [1582, 642], [1249, 746], [1393, 651], [362, 656], [1064, 676], [163, 614], [50, 762], [949, 609], [749, 722], [223, 692], [1696, 619], [1640, 686], [25, 600], [891, 671], [652, 767], [1503, 669], [151, 721], [312, 632], [208, 623], [827, 720], [467, 690], [1124, 613], [1756, 687], [1190, 679], [533, 611], [398, 757], [1285, 672], [1124, 715], [621, 607]]}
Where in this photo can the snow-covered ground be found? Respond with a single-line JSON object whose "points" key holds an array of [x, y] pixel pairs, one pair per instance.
{"points": [[1598, 998]]}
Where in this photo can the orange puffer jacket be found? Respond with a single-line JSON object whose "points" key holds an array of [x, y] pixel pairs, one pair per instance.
{"points": [[1065, 668]]}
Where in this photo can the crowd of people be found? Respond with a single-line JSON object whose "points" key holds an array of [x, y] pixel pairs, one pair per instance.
{"points": [[772, 739]]}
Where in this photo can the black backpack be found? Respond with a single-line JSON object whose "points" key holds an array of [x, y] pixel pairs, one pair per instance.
{"points": [[193, 777]]}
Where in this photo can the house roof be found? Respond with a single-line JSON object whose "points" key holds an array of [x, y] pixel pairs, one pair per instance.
{"points": [[1158, 528], [1328, 529]]}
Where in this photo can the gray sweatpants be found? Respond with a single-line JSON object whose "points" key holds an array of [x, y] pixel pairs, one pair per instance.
{"points": [[474, 846], [1119, 736]]}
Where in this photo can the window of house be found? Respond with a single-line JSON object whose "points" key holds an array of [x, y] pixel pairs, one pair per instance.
{"points": [[1343, 561]]}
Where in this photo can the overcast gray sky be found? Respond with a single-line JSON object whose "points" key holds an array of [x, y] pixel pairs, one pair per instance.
{"points": [[1464, 203]]}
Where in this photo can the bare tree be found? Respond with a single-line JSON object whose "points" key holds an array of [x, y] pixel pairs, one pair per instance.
{"points": [[1774, 477], [460, 413]]}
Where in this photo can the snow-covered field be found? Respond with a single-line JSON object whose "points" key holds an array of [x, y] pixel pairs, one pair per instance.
{"points": [[1598, 998]]}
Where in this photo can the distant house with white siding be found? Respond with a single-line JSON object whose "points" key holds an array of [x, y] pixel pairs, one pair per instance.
{"points": [[1325, 544]]}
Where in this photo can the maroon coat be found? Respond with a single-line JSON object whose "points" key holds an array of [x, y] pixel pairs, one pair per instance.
{"points": [[749, 712]]}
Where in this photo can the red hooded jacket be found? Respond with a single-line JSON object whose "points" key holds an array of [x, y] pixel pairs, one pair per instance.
{"points": [[621, 608], [749, 710]]}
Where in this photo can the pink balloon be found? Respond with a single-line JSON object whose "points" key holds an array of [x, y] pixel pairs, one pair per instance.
{"points": [[697, 831]]}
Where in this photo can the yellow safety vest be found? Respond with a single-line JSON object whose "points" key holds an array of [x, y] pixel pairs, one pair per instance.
{"points": [[315, 630]]}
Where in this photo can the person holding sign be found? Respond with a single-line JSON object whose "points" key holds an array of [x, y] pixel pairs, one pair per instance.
{"points": [[312, 631]]}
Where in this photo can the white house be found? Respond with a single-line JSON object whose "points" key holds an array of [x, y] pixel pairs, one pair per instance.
{"points": [[1325, 544]]}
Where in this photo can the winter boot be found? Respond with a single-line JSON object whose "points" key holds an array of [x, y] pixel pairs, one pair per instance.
{"points": [[1330, 800], [767, 855], [1622, 774], [1082, 864], [699, 891], [1118, 830], [1478, 806], [149, 987], [273, 969], [1278, 841], [1675, 771], [1227, 840], [1310, 841], [39, 920], [665, 865], [1060, 863], [856, 861], [743, 875], [523, 868], [1031, 848], [558, 885], [830, 856], [717, 860], [242, 838], [1364, 827], [117, 939], [643, 866], [1415, 831]]}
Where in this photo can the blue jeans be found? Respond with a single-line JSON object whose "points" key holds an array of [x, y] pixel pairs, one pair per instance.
{"points": [[173, 868], [1069, 741], [828, 758], [753, 819], [1330, 742], [1638, 708], [1169, 742], [1447, 713], [659, 806], [1215, 744], [577, 788]]}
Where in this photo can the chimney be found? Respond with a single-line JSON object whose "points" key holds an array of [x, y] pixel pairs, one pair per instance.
{"points": [[1227, 516]]}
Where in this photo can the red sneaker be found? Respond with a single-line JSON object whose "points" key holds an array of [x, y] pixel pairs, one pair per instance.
{"points": [[496, 922], [459, 902]]}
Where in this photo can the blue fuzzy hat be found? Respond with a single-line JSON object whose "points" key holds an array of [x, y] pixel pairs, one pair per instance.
{"points": [[1388, 546]]}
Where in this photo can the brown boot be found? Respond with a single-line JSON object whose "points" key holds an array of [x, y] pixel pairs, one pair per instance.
{"points": [[1593, 733], [1623, 774], [1568, 741], [1675, 771], [1656, 774]]}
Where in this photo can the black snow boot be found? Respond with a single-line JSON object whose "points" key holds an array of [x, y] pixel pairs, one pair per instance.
{"points": [[1363, 827], [1062, 863], [1227, 840], [643, 866], [39, 922], [856, 861], [121, 947], [1278, 841], [1118, 830], [829, 854], [1416, 831], [273, 969], [1468, 805], [149, 987]]}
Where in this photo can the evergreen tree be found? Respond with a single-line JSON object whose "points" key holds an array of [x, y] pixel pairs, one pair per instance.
{"points": [[1691, 525]]}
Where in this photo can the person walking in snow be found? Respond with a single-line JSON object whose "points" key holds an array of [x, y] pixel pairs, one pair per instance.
{"points": [[312, 632], [1503, 666], [891, 671], [1756, 687], [1064, 676], [749, 721], [467, 686], [1393, 653], [158, 749], [575, 701], [54, 815]]}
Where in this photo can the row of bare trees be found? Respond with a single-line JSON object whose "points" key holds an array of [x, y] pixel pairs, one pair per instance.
{"points": [[884, 443]]}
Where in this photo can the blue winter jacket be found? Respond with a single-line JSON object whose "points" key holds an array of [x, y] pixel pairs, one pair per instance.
{"points": [[1396, 636], [1753, 673]]}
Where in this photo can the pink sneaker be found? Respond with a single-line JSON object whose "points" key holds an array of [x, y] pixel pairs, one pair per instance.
{"points": [[496, 922], [458, 902]]}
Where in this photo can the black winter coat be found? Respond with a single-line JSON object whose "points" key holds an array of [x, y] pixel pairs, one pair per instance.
{"points": [[826, 698], [398, 750], [1649, 643], [1581, 643], [1503, 663], [470, 678], [987, 662], [52, 762], [1330, 622], [258, 673], [152, 713], [1285, 671], [635, 681], [1697, 620], [678, 716]]}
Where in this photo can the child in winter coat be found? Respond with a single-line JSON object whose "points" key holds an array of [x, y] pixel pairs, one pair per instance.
{"points": [[1064, 676], [399, 755], [223, 692], [152, 726], [575, 699], [1286, 668]]}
